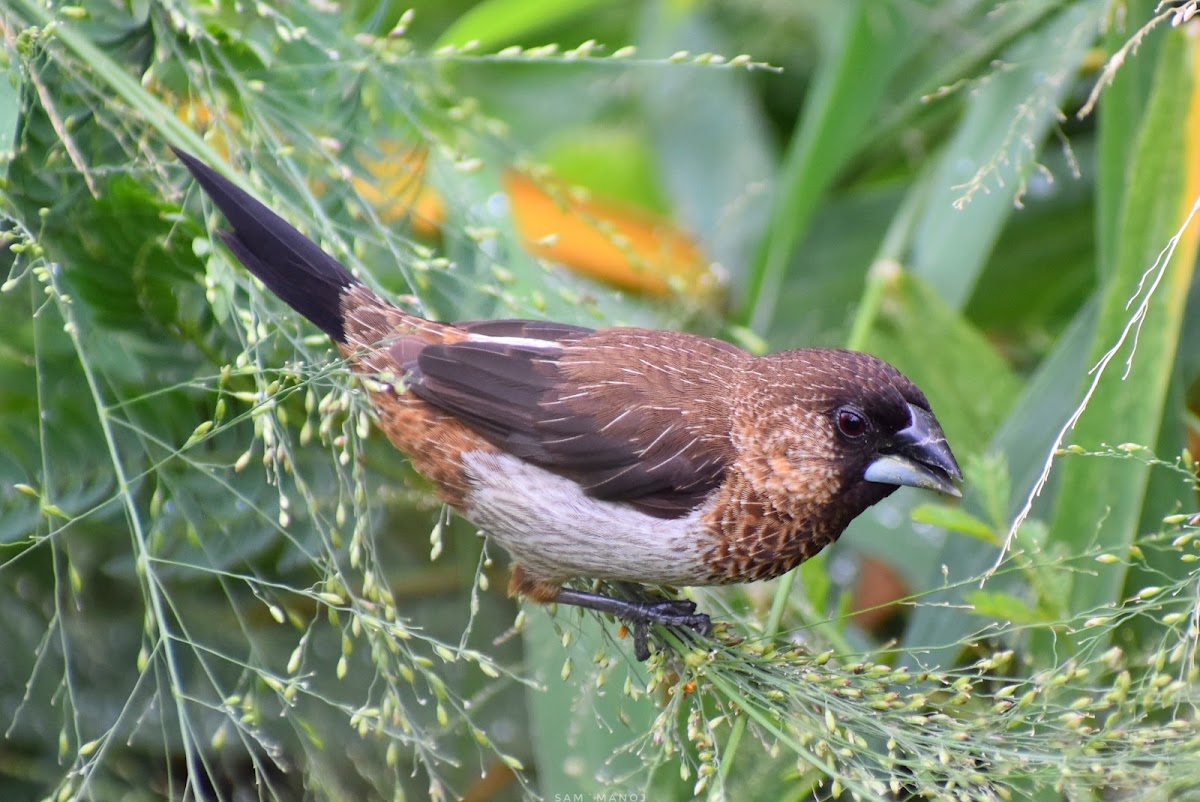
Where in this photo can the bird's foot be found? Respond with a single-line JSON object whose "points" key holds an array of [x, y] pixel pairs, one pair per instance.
{"points": [[678, 614]]}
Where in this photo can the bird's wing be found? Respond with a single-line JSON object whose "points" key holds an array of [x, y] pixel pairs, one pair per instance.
{"points": [[633, 415], [542, 330]]}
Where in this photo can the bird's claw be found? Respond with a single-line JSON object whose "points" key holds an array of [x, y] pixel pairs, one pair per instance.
{"points": [[674, 613], [639, 615]]}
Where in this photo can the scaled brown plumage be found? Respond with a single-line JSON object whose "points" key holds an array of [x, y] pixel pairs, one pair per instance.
{"points": [[626, 454]]}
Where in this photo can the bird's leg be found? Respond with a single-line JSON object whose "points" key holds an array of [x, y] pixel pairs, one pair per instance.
{"points": [[640, 614]]}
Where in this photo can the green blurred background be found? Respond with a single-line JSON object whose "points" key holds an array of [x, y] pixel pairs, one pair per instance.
{"points": [[219, 583]]}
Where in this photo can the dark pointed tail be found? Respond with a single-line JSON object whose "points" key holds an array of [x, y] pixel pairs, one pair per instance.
{"points": [[289, 263]]}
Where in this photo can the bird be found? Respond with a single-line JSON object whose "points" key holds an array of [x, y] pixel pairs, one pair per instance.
{"points": [[638, 456]]}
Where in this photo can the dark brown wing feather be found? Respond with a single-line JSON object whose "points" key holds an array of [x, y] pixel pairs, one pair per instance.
{"points": [[633, 415], [495, 388], [529, 329]]}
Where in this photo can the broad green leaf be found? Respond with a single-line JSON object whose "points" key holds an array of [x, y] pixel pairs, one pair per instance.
{"points": [[578, 727], [494, 23], [990, 473], [1043, 266], [131, 43], [955, 519], [1124, 103], [130, 270], [611, 162], [868, 42], [988, 162], [1021, 441], [10, 106], [966, 40], [826, 279], [1100, 501], [692, 118], [814, 576], [1005, 607]]}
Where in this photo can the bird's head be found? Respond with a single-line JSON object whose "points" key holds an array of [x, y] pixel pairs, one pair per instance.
{"points": [[844, 428]]}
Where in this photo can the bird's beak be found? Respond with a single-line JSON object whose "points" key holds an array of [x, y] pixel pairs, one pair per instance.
{"points": [[917, 456]]}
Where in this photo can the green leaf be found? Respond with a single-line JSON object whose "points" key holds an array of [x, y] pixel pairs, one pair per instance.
{"points": [[1006, 607], [1016, 298], [1124, 103], [868, 41], [955, 519], [129, 269], [580, 730], [10, 107], [827, 277], [988, 474], [495, 23], [613, 163], [994, 149], [696, 117], [1100, 502], [818, 585], [1021, 441]]}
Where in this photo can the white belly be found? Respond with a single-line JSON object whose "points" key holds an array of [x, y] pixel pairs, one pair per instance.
{"points": [[555, 531]]}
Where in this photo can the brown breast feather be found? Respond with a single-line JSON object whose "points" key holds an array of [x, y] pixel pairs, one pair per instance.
{"points": [[789, 493]]}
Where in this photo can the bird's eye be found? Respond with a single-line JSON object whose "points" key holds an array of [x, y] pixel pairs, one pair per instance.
{"points": [[850, 423]]}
